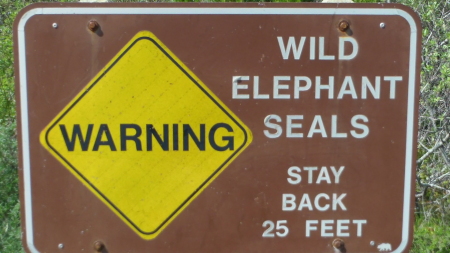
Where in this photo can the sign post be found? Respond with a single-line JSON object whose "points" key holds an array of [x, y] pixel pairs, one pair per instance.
{"points": [[217, 127]]}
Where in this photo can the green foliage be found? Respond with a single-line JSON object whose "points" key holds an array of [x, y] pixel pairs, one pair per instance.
{"points": [[8, 12], [434, 122], [432, 233], [10, 233], [431, 237]]}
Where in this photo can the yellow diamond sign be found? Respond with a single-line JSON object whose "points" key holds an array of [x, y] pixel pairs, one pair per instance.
{"points": [[146, 135]]}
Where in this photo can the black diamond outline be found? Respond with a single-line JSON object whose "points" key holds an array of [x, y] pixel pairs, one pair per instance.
{"points": [[97, 190]]}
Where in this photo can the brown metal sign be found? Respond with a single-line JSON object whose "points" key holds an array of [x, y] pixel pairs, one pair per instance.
{"points": [[217, 127]]}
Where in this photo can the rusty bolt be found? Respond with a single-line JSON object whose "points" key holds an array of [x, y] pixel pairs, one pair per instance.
{"points": [[344, 25], [93, 25], [98, 246], [339, 244]]}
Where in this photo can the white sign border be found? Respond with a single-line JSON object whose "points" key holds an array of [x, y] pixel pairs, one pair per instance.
{"points": [[212, 11]]}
